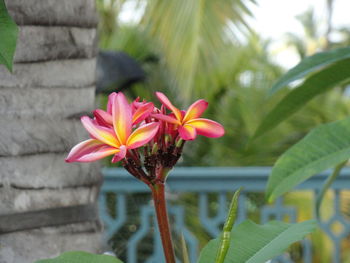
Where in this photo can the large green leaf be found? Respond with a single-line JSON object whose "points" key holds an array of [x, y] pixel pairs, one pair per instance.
{"points": [[310, 64], [316, 84], [252, 243], [8, 36], [324, 147], [79, 257]]}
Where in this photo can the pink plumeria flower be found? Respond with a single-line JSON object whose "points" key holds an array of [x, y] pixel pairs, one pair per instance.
{"points": [[113, 139], [139, 112], [189, 123]]}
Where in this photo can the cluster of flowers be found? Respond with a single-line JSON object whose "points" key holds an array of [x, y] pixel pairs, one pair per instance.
{"points": [[139, 133]]}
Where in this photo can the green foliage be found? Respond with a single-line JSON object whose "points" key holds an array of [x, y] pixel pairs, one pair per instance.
{"points": [[316, 84], [79, 257], [323, 148], [191, 34], [310, 64], [252, 243], [190, 38], [241, 109], [8, 36]]}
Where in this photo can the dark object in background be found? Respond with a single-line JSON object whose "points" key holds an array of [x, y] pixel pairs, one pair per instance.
{"points": [[117, 71]]}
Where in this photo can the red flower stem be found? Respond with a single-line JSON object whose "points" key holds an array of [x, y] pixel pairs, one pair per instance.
{"points": [[158, 195]]}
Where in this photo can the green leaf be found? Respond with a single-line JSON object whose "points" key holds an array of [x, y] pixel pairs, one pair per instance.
{"points": [[252, 243], [323, 148], [8, 36], [310, 64], [79, 257], [316, 84]]}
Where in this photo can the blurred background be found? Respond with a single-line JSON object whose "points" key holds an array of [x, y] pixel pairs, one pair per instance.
{"points": [[228, 52]]}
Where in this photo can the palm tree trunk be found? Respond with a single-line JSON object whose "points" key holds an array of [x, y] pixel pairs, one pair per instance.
{"points": [[47, 206]]}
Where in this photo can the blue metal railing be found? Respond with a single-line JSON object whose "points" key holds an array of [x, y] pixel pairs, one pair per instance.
{"points": [[211, 187]]}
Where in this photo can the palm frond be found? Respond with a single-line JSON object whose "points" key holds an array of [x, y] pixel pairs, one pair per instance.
{"points": [[191, 34]]}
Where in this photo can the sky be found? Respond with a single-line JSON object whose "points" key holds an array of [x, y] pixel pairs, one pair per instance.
{"points": [[273, 19], [268, 12]]}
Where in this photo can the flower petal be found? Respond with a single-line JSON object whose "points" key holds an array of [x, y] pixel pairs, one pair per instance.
{"points": [[103, 118], [166, 118], [187, 132], [166, 102], [102, 153], [142, 113], [195, 110], [122, 117], [207, 127], [100, 133], [136, 104], [89, 151], [142, 135], [119, 156], [110, 102]]}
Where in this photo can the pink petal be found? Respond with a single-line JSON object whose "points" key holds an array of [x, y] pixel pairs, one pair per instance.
{"points": [[110, 102], [119, 156], [172, 130], [166, 102], [89, 151], [142, 135], [136, 104], [207, 127], [103, 118], [122, 117], [166, 118], [100, 133], [195, 110], [104, 152], [142, 112], [187, 132]]}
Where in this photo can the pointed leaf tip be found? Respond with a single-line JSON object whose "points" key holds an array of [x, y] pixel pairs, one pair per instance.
{"points": [[316, 84], [9, 34], [310, 64]]}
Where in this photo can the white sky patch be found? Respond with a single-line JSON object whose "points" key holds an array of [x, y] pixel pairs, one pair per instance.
{"points": [[341, 15], [131, 12], [274, 18]]}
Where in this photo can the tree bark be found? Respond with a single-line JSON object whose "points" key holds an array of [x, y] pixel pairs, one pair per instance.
{"points": [[40, 104]]}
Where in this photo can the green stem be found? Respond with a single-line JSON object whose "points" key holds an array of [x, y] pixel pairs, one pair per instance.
{"points": [[325, 187], [185, 256], [226, 233], [158, 194]]}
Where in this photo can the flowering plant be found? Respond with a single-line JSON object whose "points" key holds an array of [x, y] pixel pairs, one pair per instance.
{"points": [[148, 141], [160, 134]]}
